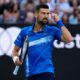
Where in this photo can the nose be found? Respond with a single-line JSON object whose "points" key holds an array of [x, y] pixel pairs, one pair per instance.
{"points": [[46, 15]]}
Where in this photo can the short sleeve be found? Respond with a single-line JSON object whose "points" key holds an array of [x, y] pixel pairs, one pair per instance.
{"points": [[58, 34], [19, 40]]}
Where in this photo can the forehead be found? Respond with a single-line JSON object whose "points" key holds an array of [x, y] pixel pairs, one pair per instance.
{"points": [[44, 10]]}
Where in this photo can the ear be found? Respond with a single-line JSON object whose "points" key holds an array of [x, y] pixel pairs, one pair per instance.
{"points": [[35, 14]]}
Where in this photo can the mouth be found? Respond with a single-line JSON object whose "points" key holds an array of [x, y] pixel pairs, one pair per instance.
{"points": [[45, 19]]}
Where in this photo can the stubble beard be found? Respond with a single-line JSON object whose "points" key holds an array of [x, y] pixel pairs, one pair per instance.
{"points": [[41, 22]]}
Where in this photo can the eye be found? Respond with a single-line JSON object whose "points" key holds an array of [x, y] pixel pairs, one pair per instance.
{"points": [[47, 13]]}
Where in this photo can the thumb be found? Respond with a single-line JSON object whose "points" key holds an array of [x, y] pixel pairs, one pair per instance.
{"points": [[55, 17]]}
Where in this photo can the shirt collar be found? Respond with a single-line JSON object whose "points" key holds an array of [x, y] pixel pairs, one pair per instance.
{"points": [[44, 29]]}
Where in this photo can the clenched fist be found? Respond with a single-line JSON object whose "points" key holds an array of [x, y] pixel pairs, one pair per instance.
{"points": [[17, 61], [55, 17]]}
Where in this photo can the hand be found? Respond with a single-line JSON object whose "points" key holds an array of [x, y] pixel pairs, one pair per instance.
{"points": [[17, 61], [55, 17]]}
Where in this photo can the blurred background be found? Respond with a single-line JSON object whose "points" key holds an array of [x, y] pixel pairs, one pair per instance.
{"points": [[16, 14], [21, 11]]}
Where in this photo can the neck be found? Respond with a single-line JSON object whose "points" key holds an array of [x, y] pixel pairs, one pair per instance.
{"points": [[38, 27]]}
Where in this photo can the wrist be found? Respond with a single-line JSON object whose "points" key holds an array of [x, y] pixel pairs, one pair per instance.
{"points": [[60, 23], [15, 58]]}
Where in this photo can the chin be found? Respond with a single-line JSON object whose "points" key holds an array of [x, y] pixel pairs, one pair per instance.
{"points": [[45, 22]]}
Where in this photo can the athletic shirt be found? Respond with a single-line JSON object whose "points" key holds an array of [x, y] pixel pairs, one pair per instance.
{"points": [[39, 55]]}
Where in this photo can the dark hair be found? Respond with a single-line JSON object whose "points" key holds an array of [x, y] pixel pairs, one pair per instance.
{"points": [[10, 7], [38, 7]]}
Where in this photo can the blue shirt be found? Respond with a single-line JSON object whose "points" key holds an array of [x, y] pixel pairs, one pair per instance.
{"points": [[39, 58]]}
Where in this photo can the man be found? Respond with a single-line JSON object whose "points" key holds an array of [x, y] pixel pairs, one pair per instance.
{"points": [[40, 37]]}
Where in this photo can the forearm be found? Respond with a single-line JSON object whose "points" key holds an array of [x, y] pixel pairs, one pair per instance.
{"points": [[66, 35], [15, 55], [15, 51]]}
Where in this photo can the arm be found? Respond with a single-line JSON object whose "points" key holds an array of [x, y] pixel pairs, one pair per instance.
{"points": [[18, 44], [15, 55], [66, 35], [15, 51]]}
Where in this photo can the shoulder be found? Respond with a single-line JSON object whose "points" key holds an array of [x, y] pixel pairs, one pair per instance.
{"points": [[26, 29]]}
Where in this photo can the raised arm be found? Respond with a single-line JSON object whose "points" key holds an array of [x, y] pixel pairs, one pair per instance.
{"points": [[66, 35]]}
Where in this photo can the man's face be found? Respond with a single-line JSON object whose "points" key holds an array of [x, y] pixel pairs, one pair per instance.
{"points": [[42, 16]]}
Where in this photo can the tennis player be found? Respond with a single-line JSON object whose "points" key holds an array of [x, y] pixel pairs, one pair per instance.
{"points": [[38, 64]]}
